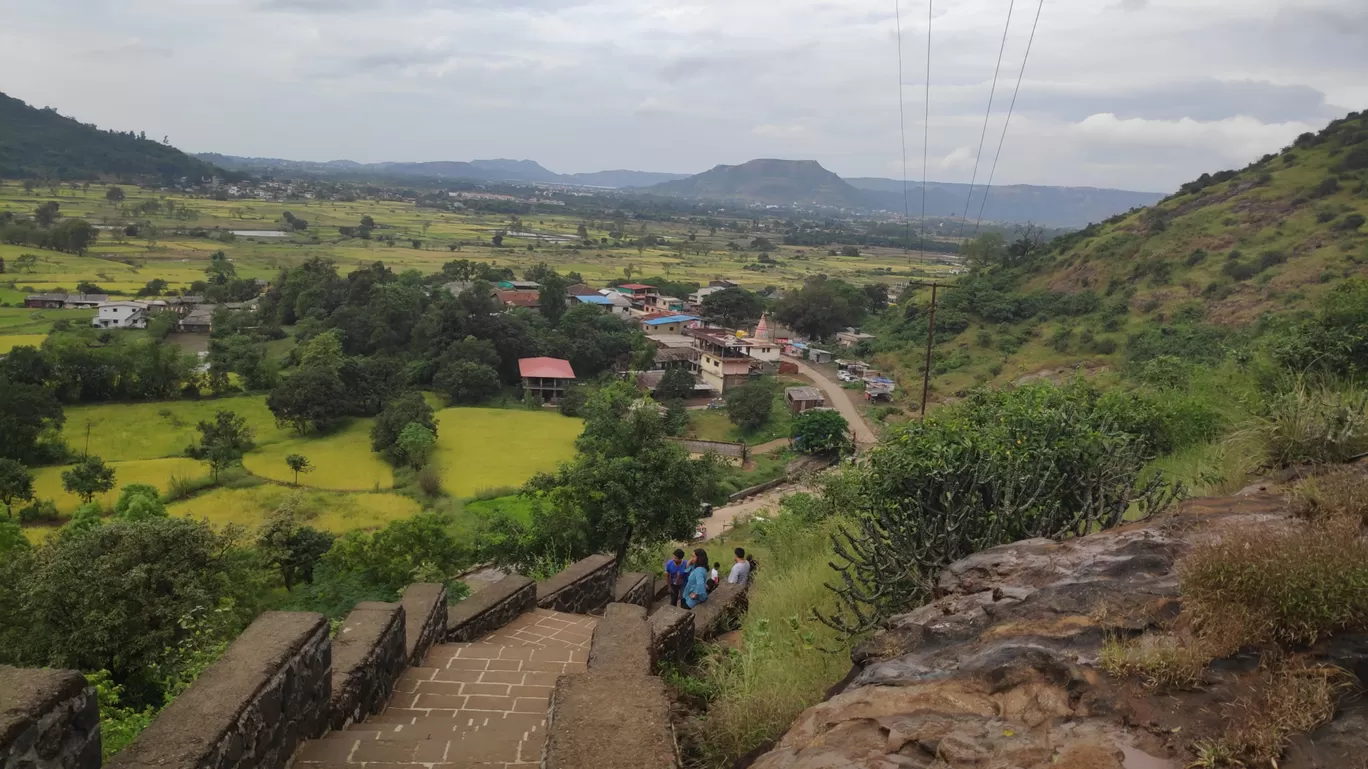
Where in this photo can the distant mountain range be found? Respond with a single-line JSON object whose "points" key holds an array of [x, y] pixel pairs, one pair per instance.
{"points": [[40, 143], [765, 181], [499, 170]]}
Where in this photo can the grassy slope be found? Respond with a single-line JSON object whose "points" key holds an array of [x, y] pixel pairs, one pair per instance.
{"points": [[1145, 258]]}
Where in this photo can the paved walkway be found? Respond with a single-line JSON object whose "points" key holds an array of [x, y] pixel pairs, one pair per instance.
{"points": [[478, 705], [839, 399]]}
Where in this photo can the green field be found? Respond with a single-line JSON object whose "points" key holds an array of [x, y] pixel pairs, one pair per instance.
{"points": [[351, 487], [481, 449], [122, 263]]}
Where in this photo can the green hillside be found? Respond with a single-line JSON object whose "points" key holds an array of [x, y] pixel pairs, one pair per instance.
{"points": [[42, 144], [1228, 255]]}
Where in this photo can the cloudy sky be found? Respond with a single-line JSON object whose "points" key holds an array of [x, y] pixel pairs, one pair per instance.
{"points": [[1138, 94]]}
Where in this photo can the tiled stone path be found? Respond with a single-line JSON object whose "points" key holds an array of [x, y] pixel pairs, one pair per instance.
{"points": [[475, 705]]}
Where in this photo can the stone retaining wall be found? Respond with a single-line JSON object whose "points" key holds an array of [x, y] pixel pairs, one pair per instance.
{"points": [[49, 719], [634, 587], [583, 588], [368, 656], [250, 709], [490, 608], [425, 619], [721, 612], [672, 633], [617, 715]]}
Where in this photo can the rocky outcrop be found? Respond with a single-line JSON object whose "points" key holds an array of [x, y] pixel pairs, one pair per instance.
{"points": [[1001, 670]]}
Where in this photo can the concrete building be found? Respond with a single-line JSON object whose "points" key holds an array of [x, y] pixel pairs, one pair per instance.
{"points": [[724, 361], [125, 314], [545, 379], [667, 324], [65, 301], [851, 337]]}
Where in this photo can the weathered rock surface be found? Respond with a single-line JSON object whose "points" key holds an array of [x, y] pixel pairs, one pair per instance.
{"points": [[1000, 672]]}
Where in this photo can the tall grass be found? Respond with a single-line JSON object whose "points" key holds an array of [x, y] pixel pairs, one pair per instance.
{"points": [[786, 660], [1312, 423]]}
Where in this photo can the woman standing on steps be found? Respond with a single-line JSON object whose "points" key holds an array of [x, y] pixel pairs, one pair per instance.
{"points": [[696, 589]]}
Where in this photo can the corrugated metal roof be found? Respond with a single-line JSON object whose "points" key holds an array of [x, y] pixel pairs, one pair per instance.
{"points": [[594, 299], [545, 368], [670, 319]]}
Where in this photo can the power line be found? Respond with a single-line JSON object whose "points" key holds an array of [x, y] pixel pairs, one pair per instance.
{"points": [[986, 115], [1020, 75], [926, 121], [902, 130]]}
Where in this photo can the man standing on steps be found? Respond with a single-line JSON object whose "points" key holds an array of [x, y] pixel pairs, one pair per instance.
{"points": [[676, 574]]}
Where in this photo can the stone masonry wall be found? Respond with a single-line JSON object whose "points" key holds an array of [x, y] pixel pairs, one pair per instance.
{"points": [[585, 587], [48, 720], [672, 632], [634, 587], [425, 619], [368, 656], [616, 715], [721, 612], [490, 608], [251, 708]]}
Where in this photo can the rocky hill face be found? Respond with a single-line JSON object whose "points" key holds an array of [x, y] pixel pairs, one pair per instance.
{"points": [[40, 143], [777, 182], [1241, 243], [1006, 668]]}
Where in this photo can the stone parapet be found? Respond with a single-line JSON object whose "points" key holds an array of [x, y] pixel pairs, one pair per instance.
{"points": [[634, 587], [425, 619], [584, 587], [490, 609], [610, 722], [369, 654], [250, 709], [49, 719], [721, 612], [672, 633]]}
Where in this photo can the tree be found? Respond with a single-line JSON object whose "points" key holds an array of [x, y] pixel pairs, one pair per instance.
{"points": [[467, 382], [415, 444], [821, 432], [310, 399], [47, 214], [822, 307], [222, 442], [220, 269], [299, 464], [153, 287], [401, 411], [733, 307], [762, 244], [88, 477], [627, 484], [676, 384], [676, 418], [497, 239], [139, 502], [30, 185], [291, 548], [114, 195], [16, 483], [12, 539], [582, 232], [751, 405], [552, 299], [26, 262], [850, 251], [391, 556]]}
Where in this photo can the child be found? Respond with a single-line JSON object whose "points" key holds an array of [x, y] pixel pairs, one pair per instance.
{"points": [[712, 576]]}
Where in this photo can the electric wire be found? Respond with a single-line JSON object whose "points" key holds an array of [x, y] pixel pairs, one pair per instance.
{"points": [[926, 122], [968, 199], [902, 130], [1015, 92]]}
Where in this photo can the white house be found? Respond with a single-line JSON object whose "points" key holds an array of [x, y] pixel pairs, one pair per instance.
{"points": [[125, 314], [621, 305]]}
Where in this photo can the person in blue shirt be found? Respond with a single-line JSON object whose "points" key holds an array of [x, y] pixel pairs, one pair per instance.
{"points": [[676, 574], [696, 589]]}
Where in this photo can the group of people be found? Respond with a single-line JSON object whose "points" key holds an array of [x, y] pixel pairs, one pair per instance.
{"points": [[691, 581]]}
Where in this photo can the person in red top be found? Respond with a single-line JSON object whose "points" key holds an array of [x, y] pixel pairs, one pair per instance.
{"points": [[676, 574]]}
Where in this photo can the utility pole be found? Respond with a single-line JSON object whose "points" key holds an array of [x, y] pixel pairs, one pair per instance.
{"points": [[87, 445], [930, 340]]}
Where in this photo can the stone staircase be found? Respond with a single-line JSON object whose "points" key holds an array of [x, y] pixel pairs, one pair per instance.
{"points": [[478, 705]]}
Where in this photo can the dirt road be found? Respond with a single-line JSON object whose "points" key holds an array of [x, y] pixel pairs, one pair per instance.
{"points": [[838, 399], [723, 517]]}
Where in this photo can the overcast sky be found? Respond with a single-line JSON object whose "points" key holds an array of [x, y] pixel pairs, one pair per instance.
{"points": [[1137, 94]]}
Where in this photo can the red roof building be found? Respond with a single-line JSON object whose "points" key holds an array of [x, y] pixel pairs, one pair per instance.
{"points": [[518, 298], [545, 379]]}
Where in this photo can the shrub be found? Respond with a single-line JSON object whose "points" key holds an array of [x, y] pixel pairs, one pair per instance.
{"points": [[1312, 425], [1159, 661], [750, 405], [1350, 222], [1328, 186], [1337, 496], [821, 432], [1282, 702], [1288, 587], [430, 481]]}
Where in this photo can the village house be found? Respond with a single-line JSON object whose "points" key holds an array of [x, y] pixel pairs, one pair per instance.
{"points": [[545, 379], [65, 301], [723, 358], [667, 324], [519, 285], [199, 321], [851, 337], [518, 298], [125, 314], [622, 305], [801, 399], [674, 351]]}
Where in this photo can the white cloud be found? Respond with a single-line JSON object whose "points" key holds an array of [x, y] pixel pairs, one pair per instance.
{"points": [[1145, 99]]}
